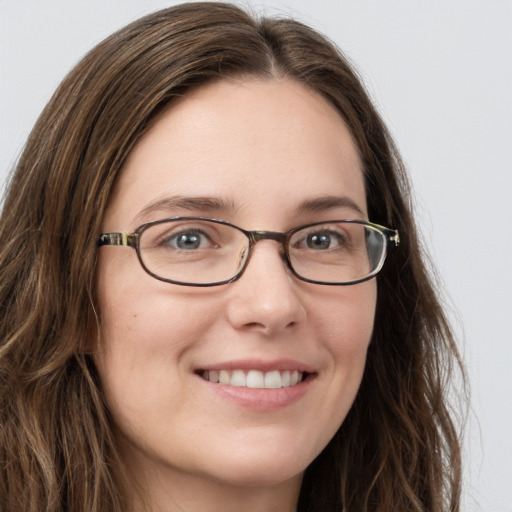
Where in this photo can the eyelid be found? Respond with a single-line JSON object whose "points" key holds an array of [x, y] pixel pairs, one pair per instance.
{"points": [[175, 228]]}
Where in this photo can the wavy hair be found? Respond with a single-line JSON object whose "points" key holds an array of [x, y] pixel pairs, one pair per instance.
{"points": [[398, 448]]}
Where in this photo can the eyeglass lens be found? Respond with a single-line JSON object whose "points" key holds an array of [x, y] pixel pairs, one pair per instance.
{"points": [[204, 252]]}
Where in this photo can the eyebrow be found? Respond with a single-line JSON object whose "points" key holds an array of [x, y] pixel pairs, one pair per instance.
{"points": [[218, 205], [322, 204], [201, 204]]}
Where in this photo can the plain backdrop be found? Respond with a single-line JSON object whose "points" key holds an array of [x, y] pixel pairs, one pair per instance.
{"points": [[441, 74]]}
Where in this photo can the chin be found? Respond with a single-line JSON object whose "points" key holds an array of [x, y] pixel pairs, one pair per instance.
{"points": [[268, 476], [265, 469]]}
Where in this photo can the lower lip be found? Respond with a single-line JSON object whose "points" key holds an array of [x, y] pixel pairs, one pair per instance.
{"points": [[261, 399]]}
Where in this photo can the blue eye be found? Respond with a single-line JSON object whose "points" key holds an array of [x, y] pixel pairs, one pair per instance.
{"points": [[188, 240], [323, 240]]}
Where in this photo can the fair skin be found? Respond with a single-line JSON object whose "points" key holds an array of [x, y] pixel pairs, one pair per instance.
{"points": [[263, 150]]}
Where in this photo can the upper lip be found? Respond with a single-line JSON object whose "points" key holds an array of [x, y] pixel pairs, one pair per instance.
{"points": [[261, 365]]}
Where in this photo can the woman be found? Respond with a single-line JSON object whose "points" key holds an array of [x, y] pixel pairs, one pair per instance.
{"points": [[188, 320]]}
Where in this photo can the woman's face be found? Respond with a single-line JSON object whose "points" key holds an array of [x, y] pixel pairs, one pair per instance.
{"points": [[268, 155]]}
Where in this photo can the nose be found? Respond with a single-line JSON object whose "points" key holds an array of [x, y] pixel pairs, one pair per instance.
{"points": [[266, 297]]}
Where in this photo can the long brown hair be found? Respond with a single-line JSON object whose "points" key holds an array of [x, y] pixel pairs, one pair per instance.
{"points": [[397, 449]]}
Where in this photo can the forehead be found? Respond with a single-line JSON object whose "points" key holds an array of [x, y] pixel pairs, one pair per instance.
{"points": [[258, 145]]}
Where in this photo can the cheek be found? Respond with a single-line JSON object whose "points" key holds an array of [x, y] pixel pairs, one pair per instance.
{"points": [[350, 318], [349, 325], [142, 313], [344, 324], [147, 330]]}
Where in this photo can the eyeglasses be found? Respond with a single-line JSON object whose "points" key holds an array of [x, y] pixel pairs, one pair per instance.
{"points": [[198, 251]]}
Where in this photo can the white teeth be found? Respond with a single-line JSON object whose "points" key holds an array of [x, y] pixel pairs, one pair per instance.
{"points": [[273, 380], [224, 377], [238, 379], [254, 378]]}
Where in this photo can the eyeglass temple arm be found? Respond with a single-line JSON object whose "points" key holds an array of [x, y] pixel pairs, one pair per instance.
{"points": [[123, 239], [394, 237]]}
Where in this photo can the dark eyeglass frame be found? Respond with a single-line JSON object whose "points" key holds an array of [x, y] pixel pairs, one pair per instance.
{"points": [[133, 240]]}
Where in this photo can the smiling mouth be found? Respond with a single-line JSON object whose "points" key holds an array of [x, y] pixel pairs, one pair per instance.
{"points": [[255, 379]]}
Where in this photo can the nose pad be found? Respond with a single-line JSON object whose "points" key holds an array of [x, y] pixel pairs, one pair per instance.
{"points": [[265, 298]]}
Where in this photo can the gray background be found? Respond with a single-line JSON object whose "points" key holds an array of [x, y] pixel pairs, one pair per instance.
{"points": [[441, 74]]}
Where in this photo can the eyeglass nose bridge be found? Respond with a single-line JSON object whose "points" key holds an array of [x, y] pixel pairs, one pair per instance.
{"points": [[258, 235]]}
